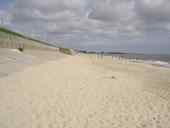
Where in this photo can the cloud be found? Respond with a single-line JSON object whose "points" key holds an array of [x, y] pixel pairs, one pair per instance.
{"points": [[92, 22], [112, 11], [74, 15], [153, 11], [5, 17], [153, 15]]}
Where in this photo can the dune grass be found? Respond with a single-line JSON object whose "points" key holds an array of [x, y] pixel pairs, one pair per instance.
{"points": [[65, 51], [12, 33], [11, 39]]}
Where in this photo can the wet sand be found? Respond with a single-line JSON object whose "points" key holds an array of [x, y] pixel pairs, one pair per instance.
{"points": [[84, 91]]}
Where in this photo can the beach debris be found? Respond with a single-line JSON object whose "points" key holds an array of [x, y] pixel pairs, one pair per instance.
{"points": [[113, 77], [21, 49], [110, 77], [2, 74]]}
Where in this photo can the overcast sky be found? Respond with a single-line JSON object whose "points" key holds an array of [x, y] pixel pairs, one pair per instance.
{"points": [[110, 25]]}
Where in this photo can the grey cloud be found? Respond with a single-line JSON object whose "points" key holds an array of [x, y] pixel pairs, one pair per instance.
{"points": [[5, 17], [153, 11], [153, 15], [117, 10], [86, 23]]}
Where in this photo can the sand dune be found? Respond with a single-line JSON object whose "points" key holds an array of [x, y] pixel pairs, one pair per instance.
{"points": [[86, 92]]}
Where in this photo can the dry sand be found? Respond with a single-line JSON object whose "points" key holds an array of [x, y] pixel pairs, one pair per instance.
{"points": [[86, 92], [11, 60]]}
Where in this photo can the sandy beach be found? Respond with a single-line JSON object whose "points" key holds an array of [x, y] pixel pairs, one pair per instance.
{"points": [[83, 91], [11, 60]]}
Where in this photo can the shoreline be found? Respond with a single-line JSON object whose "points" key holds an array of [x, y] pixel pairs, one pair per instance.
{"points": [[156, 60]]}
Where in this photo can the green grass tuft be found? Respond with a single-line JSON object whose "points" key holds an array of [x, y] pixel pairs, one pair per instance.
{"points": [[65, 51]]}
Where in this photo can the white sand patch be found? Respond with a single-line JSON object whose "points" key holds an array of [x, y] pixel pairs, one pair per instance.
{"points": [[15, 50]]}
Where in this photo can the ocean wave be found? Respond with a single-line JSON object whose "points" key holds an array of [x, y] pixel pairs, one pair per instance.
{"points": [[158, 63]]}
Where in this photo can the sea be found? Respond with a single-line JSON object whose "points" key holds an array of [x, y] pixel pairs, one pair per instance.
{"points": [[162, 60]]}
